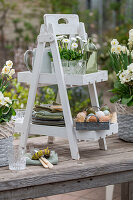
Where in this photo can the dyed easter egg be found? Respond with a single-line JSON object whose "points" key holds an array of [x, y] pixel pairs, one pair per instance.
{"points": [[81, 117], [100, 114], [104, 119], [106, 112], [91, 118]]}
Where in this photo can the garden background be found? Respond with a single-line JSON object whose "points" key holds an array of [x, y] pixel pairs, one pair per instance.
{"points": [[19, 26]]}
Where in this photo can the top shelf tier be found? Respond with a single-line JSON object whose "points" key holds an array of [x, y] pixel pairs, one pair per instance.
{"points": [[70, 80]]}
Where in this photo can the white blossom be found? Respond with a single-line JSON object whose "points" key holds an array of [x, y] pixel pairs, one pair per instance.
{"points": [[65, 40], [2, 102], [132, 54], [131, 33], [6, 69], [74, 45], [8, 100], [73, 39], [12, 72], [9, 63], [124, 49], [114, 42]]}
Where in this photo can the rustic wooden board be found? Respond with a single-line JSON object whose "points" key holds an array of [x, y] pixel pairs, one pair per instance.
{"points": [[95, 168]]}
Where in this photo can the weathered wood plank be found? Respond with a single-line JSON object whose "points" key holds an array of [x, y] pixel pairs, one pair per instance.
{"points": [[127, 191], [130, 190], [118, 158], [66, 186]]}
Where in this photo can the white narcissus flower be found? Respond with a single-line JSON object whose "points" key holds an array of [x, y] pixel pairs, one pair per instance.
{"points": [[130, 67], [8, 100], [65, 40], [114, 42], [132, 54], [74, 45], [12, 72], [9, 63], [6, 69], [131, 33], [2, 102], [113, 49], [118, 49], [73, 39], [124, 49]]}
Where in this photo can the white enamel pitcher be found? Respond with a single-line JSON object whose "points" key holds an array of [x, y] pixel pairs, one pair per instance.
{"points": [[46, 62]]}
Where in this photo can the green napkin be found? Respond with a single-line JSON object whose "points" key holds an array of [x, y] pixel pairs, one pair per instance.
{"points": [[52, 159]]}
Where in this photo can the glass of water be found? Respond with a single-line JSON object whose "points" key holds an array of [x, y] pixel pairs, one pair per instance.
{"points": [[16, 158]]}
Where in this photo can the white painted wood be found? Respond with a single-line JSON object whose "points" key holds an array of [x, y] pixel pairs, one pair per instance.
{"points": [[48, 32], [62, 132], [64, 98], [96, 135], [109, 192], [46, 79], [93, 96], [32, 94], [102, 144], [95, 104], [71, 26]]}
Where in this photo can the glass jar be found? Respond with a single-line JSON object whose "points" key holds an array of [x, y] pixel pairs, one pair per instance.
{"points": [[72, 67]]}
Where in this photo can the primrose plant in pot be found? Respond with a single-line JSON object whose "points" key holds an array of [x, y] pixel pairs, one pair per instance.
{"points": [[6, 112], [73, 54], [122, 63]]}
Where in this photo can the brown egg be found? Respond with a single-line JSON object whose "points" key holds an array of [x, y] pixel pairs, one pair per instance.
{"points": [[81, 117], [91, 119], [104, 119]]}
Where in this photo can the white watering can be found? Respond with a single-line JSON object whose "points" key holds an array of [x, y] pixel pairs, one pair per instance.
{"points": [[46, 62]]}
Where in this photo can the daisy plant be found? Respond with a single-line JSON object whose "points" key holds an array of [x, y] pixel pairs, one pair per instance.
{"points": [[6, 104], [122, 63], [70, 49]]}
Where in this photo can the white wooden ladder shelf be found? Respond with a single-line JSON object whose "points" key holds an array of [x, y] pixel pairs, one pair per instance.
{"points": [[48, 33]]}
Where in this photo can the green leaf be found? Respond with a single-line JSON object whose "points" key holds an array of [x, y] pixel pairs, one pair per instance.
{"points": [[126, 100], [130, 103], [114, 98], [13, 112]]}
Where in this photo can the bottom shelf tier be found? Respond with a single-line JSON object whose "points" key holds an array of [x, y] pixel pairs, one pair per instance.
{"points": [[61, 131]]}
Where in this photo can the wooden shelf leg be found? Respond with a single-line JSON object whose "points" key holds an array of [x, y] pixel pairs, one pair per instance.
{"points": [[102, 144], [95, 103], [127, 191], [93, 95], [32, 95], [64, 97]]}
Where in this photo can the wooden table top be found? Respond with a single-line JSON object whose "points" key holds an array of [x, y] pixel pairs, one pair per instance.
{"points": [[95, 168]]}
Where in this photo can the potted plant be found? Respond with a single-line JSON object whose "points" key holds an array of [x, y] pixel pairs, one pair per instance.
{"points": [[75, 53], [6, 112], [122, 63]]}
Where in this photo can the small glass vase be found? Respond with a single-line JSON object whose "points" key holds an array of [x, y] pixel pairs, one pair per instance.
{"points": [[16, 158]]}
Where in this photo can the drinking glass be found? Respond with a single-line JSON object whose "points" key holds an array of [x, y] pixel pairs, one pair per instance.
{"points": [[16, 158], [19, 114]]}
